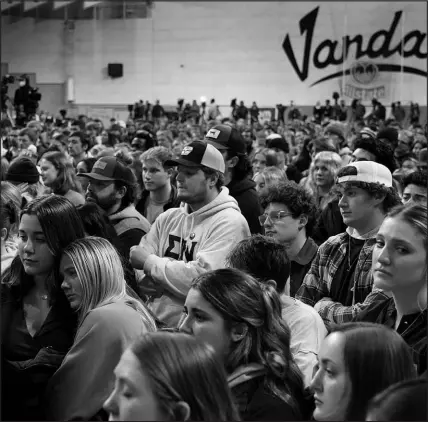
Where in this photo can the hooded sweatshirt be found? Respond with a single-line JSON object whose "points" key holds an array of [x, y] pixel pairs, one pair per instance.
{"points": [[130, 226], [244, 191], [185, 244]]}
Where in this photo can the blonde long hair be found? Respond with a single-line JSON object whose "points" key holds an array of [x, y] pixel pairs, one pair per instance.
{"points": [[100, 272]]}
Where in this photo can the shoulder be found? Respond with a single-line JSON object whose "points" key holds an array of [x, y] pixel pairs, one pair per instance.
{"points": [[264, 405], [377, 311], [75, 197], [112, 316], [333, 242]]}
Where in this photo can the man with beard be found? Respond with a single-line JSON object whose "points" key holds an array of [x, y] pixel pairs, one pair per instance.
{"points": [[193, 239], [112, 185]]}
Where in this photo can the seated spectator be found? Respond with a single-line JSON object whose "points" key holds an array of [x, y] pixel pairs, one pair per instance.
{"points": [[278, 144], [269, 176], [78, 146], [188, 241], [289, 218], [144, 140], [9, 215], [241, 319], [339, 283], [112, 185], [173, 377], [96, 223], [238, 172], [356, 362], [11, 195], [85, 166], [164, 139], [108, 320], [335, 132], [59, 175], [259, 161], [423, 159], [159, 194], [37, 325], [24, 174], [415, 187], [330, 222], [399, 266], [408, 165], [419, 143], [403, 401], [266, 259], [322, 176]]}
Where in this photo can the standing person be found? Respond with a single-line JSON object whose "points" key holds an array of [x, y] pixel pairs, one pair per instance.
{"points": [[188, 241], [289, 217], [241, 319], [159, 194], [339, 283], [173, 377], [399, 265], [112, 185], [254, 113], [232, 145], [108, 320], [59, 175], [266, 259], [37, 324], [356, 362]]}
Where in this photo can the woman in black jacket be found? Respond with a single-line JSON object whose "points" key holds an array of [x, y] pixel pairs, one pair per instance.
{"points": [[241, 319]]}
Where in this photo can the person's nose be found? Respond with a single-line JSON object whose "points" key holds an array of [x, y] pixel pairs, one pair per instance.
{"points": [[185, 325], [316, 384]]}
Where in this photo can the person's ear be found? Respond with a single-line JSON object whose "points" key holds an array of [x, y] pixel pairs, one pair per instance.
{"points": [[303, 220], [3, 234], [378, 199], [232, 162], [182, 411], [239, 331], [271, 283], [122, 191]]}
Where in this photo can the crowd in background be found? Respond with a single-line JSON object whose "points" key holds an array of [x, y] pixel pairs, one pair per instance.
{"points": [[192, 266]]}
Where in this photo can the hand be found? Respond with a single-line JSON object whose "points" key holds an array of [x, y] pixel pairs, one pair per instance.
{"points": [[138, 256]]}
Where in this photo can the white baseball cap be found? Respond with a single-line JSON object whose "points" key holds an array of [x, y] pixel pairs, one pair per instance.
{"points": [[368, 172]]}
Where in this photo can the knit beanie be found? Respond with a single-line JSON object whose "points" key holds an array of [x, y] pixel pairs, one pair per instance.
{"points": [[22, 170]]}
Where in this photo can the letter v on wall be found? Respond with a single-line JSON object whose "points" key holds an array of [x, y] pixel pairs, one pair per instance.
{"points": [[307, 25]]}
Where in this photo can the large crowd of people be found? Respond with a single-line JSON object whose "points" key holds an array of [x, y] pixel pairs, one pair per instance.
{"points": [[191, 266]]}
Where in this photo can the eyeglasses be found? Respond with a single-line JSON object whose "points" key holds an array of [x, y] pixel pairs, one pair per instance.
{"points": [[274, 216]]}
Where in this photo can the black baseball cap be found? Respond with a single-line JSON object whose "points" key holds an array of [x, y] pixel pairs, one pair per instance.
{"points": [[198, 154], [111, 169], [225, 137]]}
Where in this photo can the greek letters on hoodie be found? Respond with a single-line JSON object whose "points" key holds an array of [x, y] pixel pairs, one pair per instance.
{"points": [[186, 244]]}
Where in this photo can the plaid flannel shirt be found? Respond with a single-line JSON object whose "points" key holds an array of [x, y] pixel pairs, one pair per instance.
{"points": [[316, 286]]}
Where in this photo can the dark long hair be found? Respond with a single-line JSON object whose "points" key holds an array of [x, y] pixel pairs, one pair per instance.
{"points": [[61, 225], [375, 358], [240, 298]]}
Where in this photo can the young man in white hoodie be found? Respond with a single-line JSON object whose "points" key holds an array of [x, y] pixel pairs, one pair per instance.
{"points": [[195, 238]]}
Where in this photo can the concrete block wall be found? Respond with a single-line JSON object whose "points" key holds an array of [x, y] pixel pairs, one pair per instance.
{"points": [[212, 49]]}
